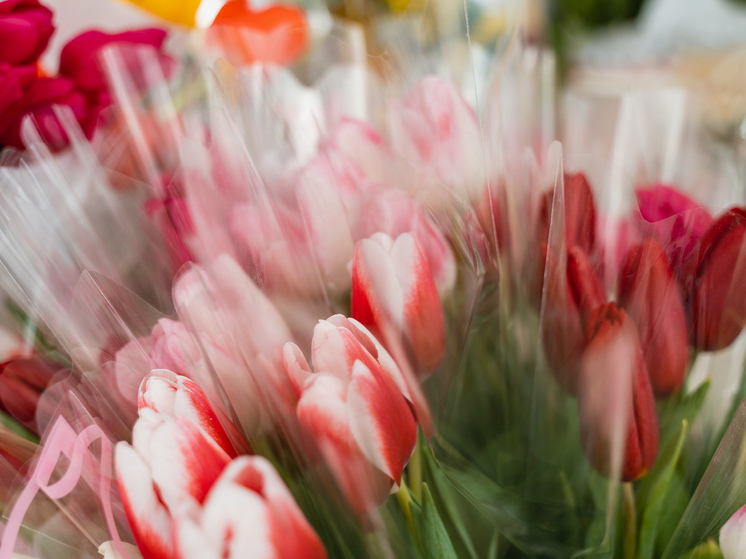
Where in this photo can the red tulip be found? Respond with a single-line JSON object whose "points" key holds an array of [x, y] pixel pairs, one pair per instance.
{"points": [[22, 384], [248, 513], [394, 212], [580, 214], [649, 293], [579, 225], [25, 28], [166, 392], [568, 303], [355, 410], [718, 300], [168, 471], [178, 450], [394, 293], [615, 400]]}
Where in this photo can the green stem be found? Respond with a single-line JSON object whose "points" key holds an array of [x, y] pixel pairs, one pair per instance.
{"points": [[414, 473], [630, 521]]}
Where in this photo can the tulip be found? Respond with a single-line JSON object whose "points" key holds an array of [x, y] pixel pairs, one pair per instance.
{"points": [[277, 34], [718, 298], [394, 293], [437, 132], [79, 62], [223, 307], [569, 301], [580, 214], [615, 399], [169, 346], [290, 247], [649, 293], [168, 471], [363, 146], [394, 212], [249, 512], [25, 26], [22, 94], [22, 384], [677, 222], [579, 225], [354, 408], [733, 536], [166, 392]]}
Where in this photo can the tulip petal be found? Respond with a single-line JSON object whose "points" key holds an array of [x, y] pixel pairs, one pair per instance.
{"points": [[381, 421], [147, 515]]}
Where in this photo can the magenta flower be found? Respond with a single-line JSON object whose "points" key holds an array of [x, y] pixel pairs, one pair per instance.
{"points": [[22, 93], [25, 28]]}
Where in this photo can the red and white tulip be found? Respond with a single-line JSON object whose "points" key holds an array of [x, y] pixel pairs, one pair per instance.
{"points": [[394, 294]]}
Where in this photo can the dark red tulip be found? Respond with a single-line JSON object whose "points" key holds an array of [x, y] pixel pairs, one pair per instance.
{"points": [[580, 213], [615, 399], [22, 382], [718, 298], [579, 224], [569, 300], [650, 294]]}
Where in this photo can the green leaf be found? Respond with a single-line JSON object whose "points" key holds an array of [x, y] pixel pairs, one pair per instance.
{"points": [[432, 535], [444, 496], [660, 479]]}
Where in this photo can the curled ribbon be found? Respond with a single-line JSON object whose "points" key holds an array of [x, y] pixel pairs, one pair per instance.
{"points": [[63, 440]]}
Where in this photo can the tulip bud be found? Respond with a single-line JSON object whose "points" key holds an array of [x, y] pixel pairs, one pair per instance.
{"points": [[615, 401], [356, 408], [580, 213], [249, 512], [166, 392], [579, 223], [394, 290], [733, 536], [568, 303], [649, 293], [718, 305]]}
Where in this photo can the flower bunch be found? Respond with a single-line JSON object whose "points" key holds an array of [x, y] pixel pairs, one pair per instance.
{"points": [[258, 306], [27, 26]]}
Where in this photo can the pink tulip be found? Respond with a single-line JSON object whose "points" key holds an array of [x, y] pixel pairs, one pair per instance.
{"points": [[223, 308], [394, 293], [292, 247], [353, 407], [733, 536], [248, 513], [169, 346], [25, 28], [364, 147], [677, 222], [437, 132], [394, 212], [167, 472]]}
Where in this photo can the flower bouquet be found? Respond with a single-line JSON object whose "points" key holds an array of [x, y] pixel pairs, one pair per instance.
{"points": [[270, 295]]}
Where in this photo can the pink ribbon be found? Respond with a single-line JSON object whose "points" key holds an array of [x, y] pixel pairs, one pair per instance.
{"points": [[63, 440]]}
